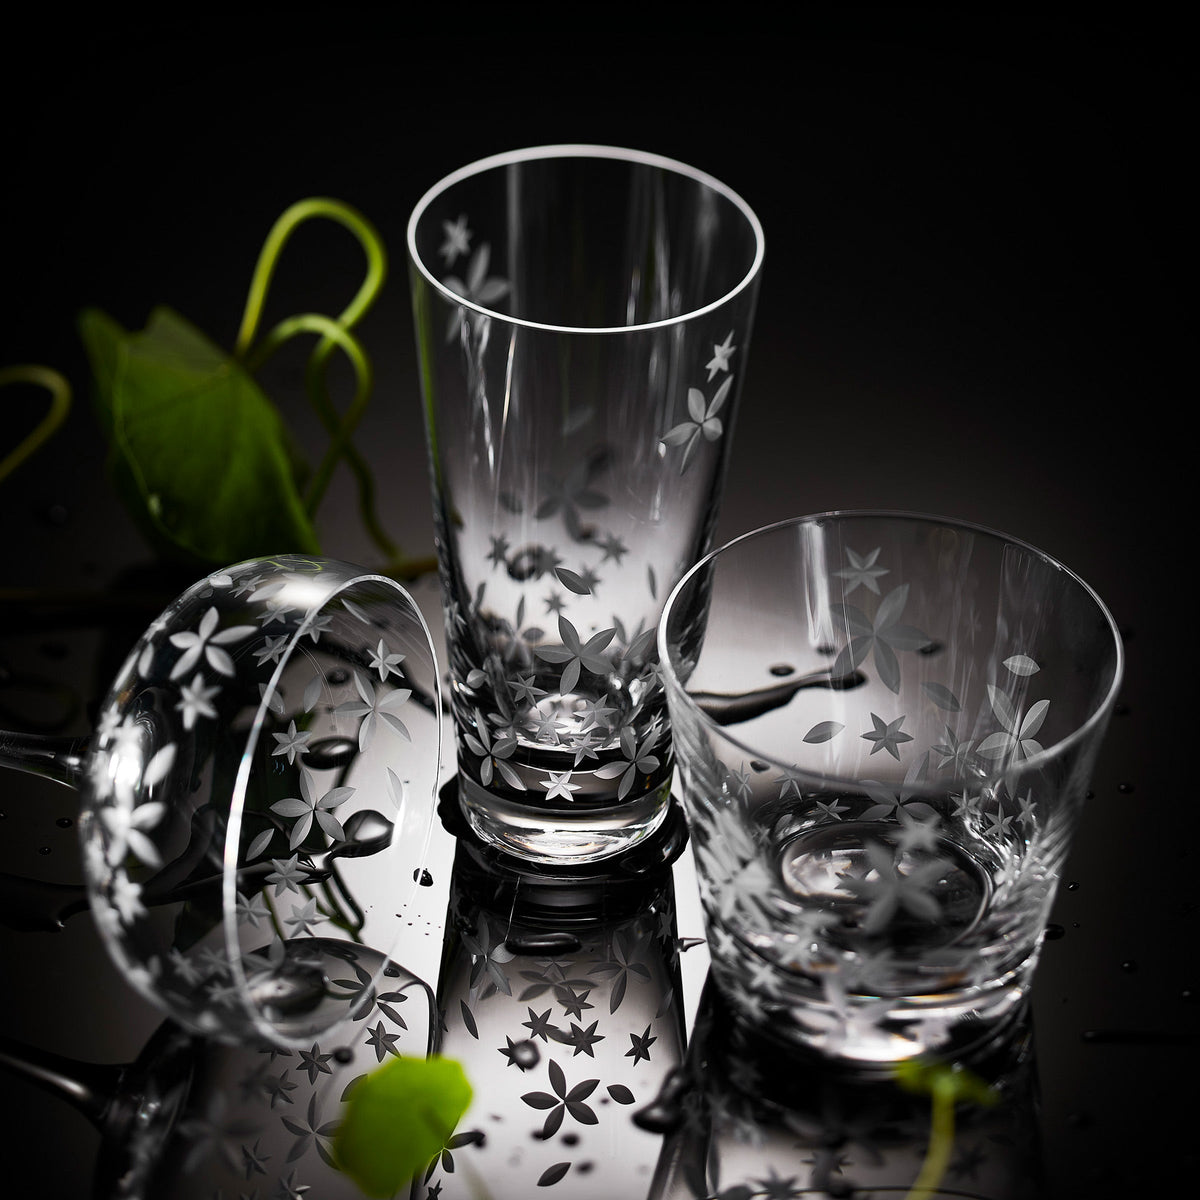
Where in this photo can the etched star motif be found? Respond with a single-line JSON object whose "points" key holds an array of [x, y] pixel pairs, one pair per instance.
{"points": [[313, 1062], [886, 735], [559, 784], [458, 240], [721, 356], [862, 570], [539, 1025], [382, 1042], [582, 1039], [383, 661], [195, 700], [640, 1048]]}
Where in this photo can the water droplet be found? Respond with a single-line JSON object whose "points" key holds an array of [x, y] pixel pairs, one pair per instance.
{"points": [[827, 651], [338, 675], [570, 1139], [1125, 788], [782, 669], [43, 849], [1188, 994], [331, 752], [343, 1054], [526, 1055], [423, 877], [756, 765], [1054, 932], [1129, 966], [392, 971], [1072, 886], [930, 648], [64, 822]]}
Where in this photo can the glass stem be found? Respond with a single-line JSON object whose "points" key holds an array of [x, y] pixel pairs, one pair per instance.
{"points": [[88, 1087], [58, 758]]}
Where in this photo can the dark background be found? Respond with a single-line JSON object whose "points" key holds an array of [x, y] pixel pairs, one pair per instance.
{"points": [[972, 305]]}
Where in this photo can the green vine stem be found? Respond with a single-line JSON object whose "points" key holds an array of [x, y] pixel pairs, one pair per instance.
{"points": [[60, 405], [301, 211], [339, 429], [334, 335], [946, 1084]]}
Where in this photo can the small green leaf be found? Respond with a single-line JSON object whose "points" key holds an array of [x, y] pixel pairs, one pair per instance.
{"points": [[198, 451], [397, 1120]]}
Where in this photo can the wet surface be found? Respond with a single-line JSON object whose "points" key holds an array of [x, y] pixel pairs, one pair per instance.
{"points": [[970, 306]]}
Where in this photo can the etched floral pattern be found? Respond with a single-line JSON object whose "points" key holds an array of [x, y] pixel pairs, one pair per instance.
{"points": [[559, 700], [829, 903], [160, 781]]}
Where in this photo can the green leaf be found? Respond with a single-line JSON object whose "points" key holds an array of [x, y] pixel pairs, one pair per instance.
{"points": [[199, 453], [397, 1120]]}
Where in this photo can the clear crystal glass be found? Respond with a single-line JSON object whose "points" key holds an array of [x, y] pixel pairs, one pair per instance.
{"points": [[583, 316], [258, 794], [885, 726]]}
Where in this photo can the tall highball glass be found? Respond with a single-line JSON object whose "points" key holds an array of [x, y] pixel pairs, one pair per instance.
{"points": [[885, 726], [583, 316]]}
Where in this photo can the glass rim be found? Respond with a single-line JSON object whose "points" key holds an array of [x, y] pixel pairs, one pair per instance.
{"points": [[585, 150], [1033, 762], [342, 577]]}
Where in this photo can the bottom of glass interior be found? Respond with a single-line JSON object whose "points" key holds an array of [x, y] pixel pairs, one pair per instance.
{"points": [[859, 1028], [549, 833]]}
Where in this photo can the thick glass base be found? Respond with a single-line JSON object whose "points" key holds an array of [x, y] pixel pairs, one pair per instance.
{"points": [[560, 834], [864, 1031]]}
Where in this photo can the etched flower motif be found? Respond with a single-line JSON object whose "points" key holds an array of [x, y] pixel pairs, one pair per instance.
{"points": [[375, 708], [567, 496], [731, 864], [479, 288], [887, 888], [884, 636], [489, 955], [126, 826], [577, 654], [703, 422], [310, 807], [493, 751], [206, 642], [1018, 737], [894, 803], [637, 758], [563, 1101]]}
